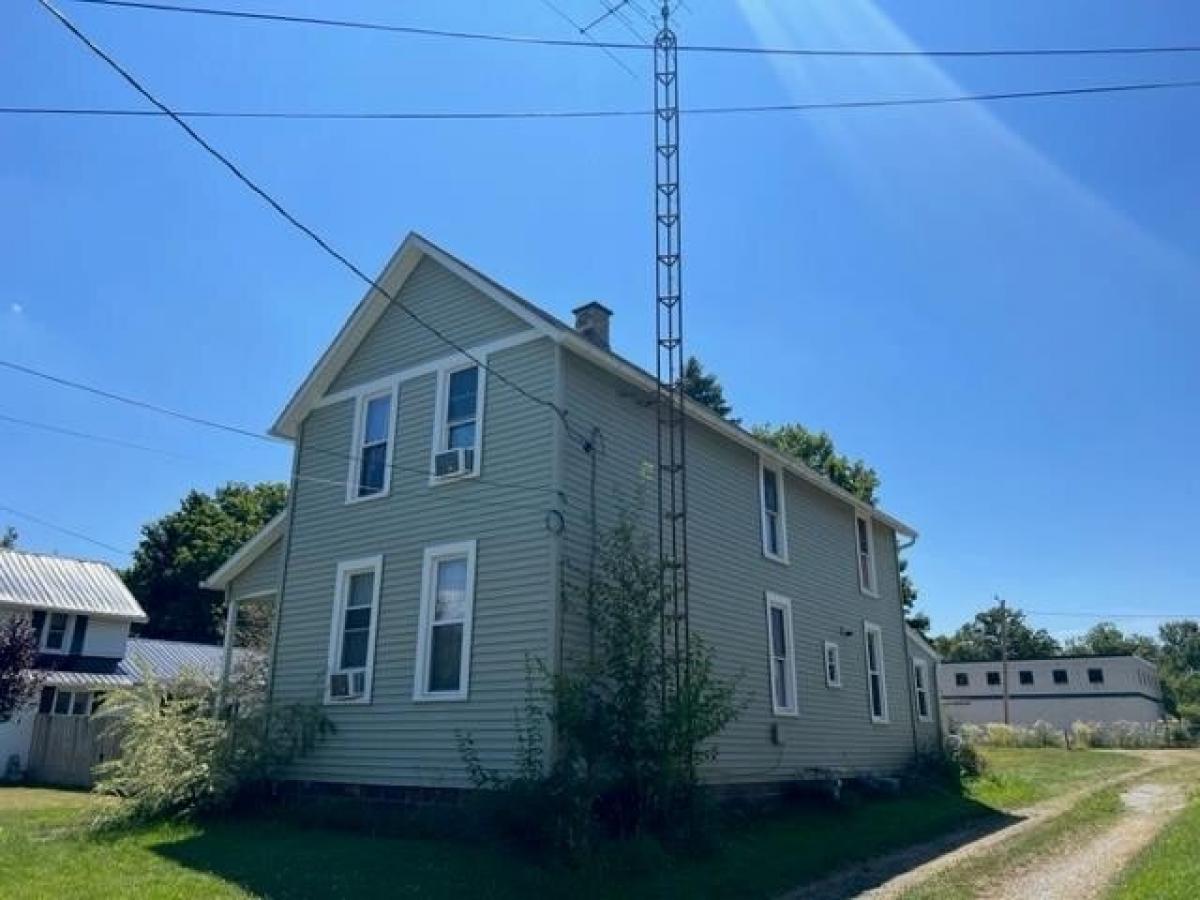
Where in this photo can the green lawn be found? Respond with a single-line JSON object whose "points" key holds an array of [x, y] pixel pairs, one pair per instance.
{"points": [[45, 852], [1018, 778], [1169, 869]]}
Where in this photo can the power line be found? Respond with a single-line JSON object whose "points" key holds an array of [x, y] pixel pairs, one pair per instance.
{"points": [[589, 40], [209, 423], [118, 112], [289, 217], [1108, 615], [75, 534], [416, 31]]}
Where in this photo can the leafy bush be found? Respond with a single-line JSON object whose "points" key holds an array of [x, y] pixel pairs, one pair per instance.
{"points": [[179, 759], [998, 735], [1082, 735], [963, 757], [632, 727]]}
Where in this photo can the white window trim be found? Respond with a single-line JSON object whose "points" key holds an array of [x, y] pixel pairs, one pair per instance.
{"points": [[392, 392], [837, 656], [775, 601], [68, 634], [871, 590], [71, 705], [870, 628], [921, 686], [448, 368], [763, 467], [434, 555], [345, 569]]}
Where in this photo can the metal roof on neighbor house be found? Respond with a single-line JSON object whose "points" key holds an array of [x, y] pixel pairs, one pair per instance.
{"points": [[167, 660], [40, 581]]}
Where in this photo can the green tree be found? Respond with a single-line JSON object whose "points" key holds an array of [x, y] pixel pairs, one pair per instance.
{"points": [[184, 547], [1179, 667], [817, 451], [979, 639], [8, 538], [704, 387], [19, 681], [1106, 639]]}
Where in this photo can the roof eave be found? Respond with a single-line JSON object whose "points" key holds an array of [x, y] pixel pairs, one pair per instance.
{"points": [[246, 554]]}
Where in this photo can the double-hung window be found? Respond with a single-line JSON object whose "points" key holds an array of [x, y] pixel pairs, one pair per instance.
{"points": [[774, 513], [444, 626], [371, 463], [876, 678], [352, 636], [864, 540], [833, 665], [458, 426], [921, 686], [56, 631], [782, 655]]}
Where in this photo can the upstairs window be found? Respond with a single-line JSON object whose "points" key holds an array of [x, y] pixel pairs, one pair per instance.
{"points": [[833, 665], [961, 679], [1060, 676], [444, 629], [1026, 676], [774, 514], [783, 661], [921, 686], [352, 639], [371, 465], [457, 428], [56, 632], [1095, 676], [865, 543], [876, 676], [993, 679]]}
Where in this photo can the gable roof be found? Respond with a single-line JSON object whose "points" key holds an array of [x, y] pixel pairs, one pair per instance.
{"points": [[412, 250], [919, 639], [62, 584], [166, 660], [247, 554]]}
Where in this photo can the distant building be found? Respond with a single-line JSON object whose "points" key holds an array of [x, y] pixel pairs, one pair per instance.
{"points": [[81, 612], [1060, 690]]}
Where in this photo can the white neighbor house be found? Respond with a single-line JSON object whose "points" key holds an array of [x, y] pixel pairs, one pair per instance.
{"points": [[1060, 690]]}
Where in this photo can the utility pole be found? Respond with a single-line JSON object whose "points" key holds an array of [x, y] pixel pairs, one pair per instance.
{"points": [[1004, 655], [671, 439]]}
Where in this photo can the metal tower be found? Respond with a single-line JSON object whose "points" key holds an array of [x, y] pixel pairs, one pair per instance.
{"points": [[672, 439]]}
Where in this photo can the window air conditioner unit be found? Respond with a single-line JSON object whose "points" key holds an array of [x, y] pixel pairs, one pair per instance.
{"points": [[347, 685], [454, 463]]}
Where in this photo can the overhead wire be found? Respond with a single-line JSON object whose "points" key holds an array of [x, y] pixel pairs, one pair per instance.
{"points": [[743, 50], [12, 510], [1134, 87], [289, 217]]}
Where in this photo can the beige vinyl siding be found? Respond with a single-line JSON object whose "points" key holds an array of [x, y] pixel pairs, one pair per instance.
{"points": [[392, 739], [442, 300], [833, 731], [260, 576]]}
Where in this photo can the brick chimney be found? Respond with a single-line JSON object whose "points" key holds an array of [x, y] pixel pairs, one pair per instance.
{"points": [[591, 321]]}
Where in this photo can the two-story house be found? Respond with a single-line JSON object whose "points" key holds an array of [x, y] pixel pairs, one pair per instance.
{"points": [[439, 508], [81, 612]]}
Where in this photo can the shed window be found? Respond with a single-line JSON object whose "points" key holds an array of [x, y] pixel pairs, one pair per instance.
{"points": [[993, 679], [1095, 676], [447, 607], [1025, 676], [783, 662], [962, 679], [876, 677], [774, 514], [1060, 676], [921, 686], [865, 542]]}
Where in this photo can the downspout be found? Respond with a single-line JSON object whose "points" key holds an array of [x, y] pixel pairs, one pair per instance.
{"points": [[908, 660]]}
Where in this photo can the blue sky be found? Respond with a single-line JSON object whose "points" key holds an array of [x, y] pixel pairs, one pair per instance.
{"points": [[994, 304]]}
